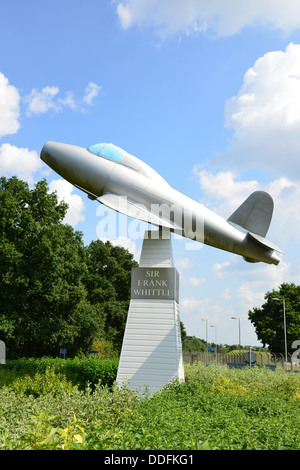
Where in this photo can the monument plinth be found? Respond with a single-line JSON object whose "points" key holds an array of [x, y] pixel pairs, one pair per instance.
{"points": [[151, 353]]}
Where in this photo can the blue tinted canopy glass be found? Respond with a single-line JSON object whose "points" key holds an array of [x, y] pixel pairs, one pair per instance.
{"points": [[96, 148], [109, 151]]}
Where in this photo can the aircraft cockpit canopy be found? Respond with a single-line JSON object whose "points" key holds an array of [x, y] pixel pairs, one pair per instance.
{"points": [[116, 154], [110, 151]]}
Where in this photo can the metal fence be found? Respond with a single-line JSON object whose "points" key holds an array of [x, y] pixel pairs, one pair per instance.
{"points": [[238, 360]]}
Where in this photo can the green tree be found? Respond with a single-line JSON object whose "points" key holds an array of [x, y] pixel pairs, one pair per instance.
{"points": [[44, 303], [268, 320], [107, 281], [183, 332], [193, 344]]}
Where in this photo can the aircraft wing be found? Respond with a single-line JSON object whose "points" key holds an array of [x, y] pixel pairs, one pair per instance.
{"points": [[132, 209]]}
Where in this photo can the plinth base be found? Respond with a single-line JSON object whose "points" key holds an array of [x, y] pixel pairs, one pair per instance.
{"points": [[151, 353]]}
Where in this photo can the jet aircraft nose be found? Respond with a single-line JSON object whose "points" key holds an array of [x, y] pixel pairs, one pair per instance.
{"points": [[64, 159], [77, 165], [52, 153]]}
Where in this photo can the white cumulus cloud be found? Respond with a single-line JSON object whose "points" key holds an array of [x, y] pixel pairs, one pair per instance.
{"points": [[192, 304], [9, 107], [20, 162], [224, 188], [124, 242], [42, 101], [183, 263], [219, 270], [91, 92], [64, 192], [196, 281], [222, 18], [265, 116]]}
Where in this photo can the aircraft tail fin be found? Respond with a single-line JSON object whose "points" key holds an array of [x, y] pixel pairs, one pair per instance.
{"points": [[255, 213]]}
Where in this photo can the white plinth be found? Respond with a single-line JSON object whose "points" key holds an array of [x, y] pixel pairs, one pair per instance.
{"points": [[151, 353]]}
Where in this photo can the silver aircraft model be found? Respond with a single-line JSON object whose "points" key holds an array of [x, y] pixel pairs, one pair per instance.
{"points": [[124, 183]]}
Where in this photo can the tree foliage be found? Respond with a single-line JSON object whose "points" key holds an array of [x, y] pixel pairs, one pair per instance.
{"points": [[54, 291], [193, 344], [108, 286], [269, 319]]}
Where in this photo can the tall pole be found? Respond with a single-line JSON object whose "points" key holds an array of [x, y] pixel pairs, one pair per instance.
{"points": [[235, 318], [203, 319], [284, 326], [215, 326], [284, 329]]}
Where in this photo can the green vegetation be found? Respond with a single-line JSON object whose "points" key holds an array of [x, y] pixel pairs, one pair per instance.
{"points": [[79, 371], [55, 292], [268, 320], [215, 408], [193, 344]]}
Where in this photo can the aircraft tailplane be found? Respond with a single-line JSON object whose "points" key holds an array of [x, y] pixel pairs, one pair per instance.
{"points": [[255, 213]]}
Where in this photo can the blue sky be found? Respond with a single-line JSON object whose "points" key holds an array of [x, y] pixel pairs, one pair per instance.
{"points": [[207, 93]]}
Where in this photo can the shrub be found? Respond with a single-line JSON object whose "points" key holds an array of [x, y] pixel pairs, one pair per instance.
{"points": [[215, 408], [105, 349], [42, 384], [79, 371]]}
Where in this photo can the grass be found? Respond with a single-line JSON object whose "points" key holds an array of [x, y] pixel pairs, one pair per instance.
{"points": [[215, 408]]}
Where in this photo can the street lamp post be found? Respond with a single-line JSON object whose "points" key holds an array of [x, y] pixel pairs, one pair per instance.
{"points": [[284, 328], [214, 326], [202, 319], [235, 318]]}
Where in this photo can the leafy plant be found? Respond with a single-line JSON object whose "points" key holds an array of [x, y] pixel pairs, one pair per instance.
{"points": [[215, 408], [42, 384], [79, 371]]}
